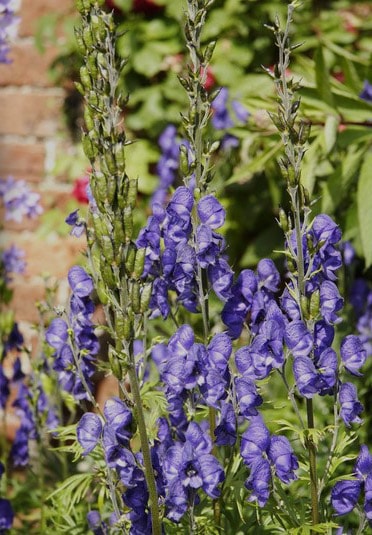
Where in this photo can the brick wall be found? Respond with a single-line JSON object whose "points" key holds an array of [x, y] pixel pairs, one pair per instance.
{"points": [[32, 135]]}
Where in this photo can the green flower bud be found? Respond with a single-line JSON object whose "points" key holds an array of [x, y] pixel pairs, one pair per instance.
{"points": [[95, 253], [80, 41], [136, 297], [80, 88], [107, 249], [122, 192], [100, 188], [108, 275], [139, 263], [130, 258], [85, 78], [132, 193], [146, 296], [87, 37], [98, 28], [111, 189], [92, 65], [90, 149], [119, 155], [304, 302], [184, 161], [283, 220], [88, 118], [315, 304], [124, 326], [208, 53], [110, 162], [119, 234], [128, 223], [115, 365]]}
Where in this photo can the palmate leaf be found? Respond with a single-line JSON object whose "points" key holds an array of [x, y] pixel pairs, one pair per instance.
{"points": [[72, 490]]}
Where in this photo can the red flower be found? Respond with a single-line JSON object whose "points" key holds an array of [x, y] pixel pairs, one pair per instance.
{"points": [[79, 191], [148, 7], [210, 80]]}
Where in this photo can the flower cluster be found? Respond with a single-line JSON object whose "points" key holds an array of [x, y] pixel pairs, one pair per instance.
{"points": [[346, 493], [12, 260], [75, 342], [262, 453], [19, 201], [168, 164], [174, 251]]}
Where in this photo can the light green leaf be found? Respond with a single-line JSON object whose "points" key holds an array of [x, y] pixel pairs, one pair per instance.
{"points": [[365, 207], [330, 132]]}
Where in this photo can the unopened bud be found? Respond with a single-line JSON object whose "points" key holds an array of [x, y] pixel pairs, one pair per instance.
{"points": [[136, 297], [139, 263], [315, 304], [146, 296]]}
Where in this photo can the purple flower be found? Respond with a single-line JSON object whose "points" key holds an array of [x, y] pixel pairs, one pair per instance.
{"points": [[255, 441], [6, 515], [330, 302], [4, 388], [76, 222], [283, 458], [351, 408], [89, 430], [95, 523], [323, 337], [248, 397], [306, 375], [189, 466], [325, 230], [226, 430], [80, 282], [240, 111], [56, 334], [298, 339], [221, 119], [210, 212], [220, 275], [119, 418], [19, 200], [345, 495], [8, 29], [366, 93], [13, 261], [353, 354], [259, 481], [268, 275]]}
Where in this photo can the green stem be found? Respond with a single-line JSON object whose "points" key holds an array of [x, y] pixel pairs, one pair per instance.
{"points": [[149, 471], [312, 463]]}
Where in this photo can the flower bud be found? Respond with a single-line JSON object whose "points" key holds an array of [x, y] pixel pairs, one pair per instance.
{"points": [[136, 297], [139, 263], [111, 189], [110, 162], [146, 296], [304, 306], [132, 193], [98, 28], [184, 161], [85, 78], [283, 220], [315, 304], [119, 234], [128, 223], [208, 53], [115, 365], [108, 275], [119, 154], [130, 258], [89, 147], [107, 249], [88, 118]]}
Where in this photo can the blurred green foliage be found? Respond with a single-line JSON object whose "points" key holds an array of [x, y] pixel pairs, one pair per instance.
{"points": [[331, 65]]}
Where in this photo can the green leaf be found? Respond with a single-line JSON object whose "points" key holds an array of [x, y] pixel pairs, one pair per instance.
{"points": [[322, 77], [364, 197], [330, 133]]}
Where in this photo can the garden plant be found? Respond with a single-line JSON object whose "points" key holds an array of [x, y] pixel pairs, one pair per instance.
{"points": [[240, 395]]}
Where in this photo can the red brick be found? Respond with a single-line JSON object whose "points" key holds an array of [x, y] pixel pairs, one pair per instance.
{"points": [[29, 67], [26, 294], [26, 114], [33, 10], [22, 160]]}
